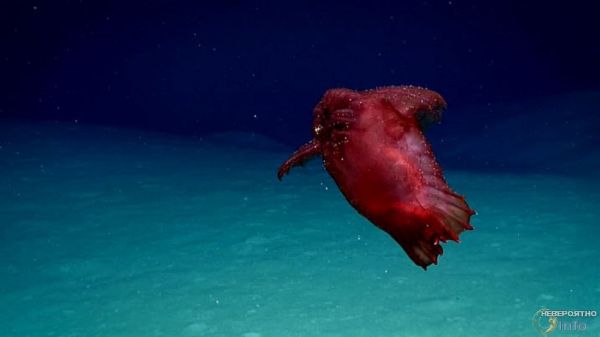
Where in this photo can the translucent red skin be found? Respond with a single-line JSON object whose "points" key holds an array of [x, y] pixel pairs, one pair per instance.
{"points": [[373, 146]]}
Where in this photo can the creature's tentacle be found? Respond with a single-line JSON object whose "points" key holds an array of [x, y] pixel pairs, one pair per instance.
{"points": [[343, 115], [301, 156]]}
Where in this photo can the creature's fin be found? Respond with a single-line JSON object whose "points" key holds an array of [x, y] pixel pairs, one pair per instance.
{"points": [[422, 104], [420, 229]]}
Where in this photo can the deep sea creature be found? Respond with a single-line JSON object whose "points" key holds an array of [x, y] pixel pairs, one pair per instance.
{"points": [[373, 146]]}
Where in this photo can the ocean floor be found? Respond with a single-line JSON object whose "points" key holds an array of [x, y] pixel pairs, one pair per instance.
{"points": [[108, 232]]}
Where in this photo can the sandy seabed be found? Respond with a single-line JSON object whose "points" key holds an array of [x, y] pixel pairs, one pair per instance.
{"points": [[107, 232]]}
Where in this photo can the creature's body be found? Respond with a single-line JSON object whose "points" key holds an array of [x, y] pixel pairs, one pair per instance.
{"points": [[373, 146]]}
